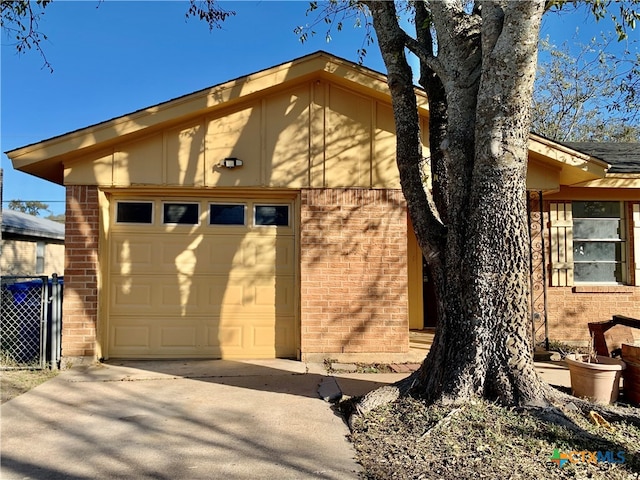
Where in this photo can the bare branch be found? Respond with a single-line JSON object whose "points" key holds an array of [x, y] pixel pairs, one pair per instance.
{"points": [[429, 229]]}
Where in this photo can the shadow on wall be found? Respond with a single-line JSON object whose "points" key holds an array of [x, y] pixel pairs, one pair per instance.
{"points": [[267, 163]]}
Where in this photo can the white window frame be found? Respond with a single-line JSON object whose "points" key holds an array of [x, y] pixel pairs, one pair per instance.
{"points": [[165, 202], [41, 252], [274, 204], [228, 225], [623, 241], [118, 202]]}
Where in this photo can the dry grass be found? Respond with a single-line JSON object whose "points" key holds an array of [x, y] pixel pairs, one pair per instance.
{"points": [[409, 440], [17, 382]]}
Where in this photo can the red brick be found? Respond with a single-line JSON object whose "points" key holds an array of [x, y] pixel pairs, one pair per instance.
{"points": [[347, 262], [81, 282]]}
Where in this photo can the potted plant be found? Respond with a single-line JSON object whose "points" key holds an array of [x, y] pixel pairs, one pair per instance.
{"points": [[595, 377]]}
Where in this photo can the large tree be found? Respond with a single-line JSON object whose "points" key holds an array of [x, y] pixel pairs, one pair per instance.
{"points": [[477, 65]]}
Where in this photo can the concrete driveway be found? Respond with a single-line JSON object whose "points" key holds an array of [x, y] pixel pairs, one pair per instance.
{"points": [[179, 420]]}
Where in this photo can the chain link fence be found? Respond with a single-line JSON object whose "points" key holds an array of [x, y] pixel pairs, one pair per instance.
{"points": [[30, 315]]}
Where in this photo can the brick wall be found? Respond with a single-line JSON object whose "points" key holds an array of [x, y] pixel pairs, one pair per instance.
{"points": [[353, 271], [80, 308], [570, 309]]}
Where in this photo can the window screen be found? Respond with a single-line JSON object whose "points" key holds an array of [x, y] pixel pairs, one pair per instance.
{"points": [[598, 242]]}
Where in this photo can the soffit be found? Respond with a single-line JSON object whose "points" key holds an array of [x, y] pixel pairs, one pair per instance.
{"points": [[574, 166]]}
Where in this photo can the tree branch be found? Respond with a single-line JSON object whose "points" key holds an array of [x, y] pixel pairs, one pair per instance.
{"points": [[425, 56], [438, 119], [19, 20], [492, 21], [459, 35], [425, 221]]}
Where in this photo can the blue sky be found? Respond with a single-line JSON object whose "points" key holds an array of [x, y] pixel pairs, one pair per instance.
{"points": [[115, 57]]}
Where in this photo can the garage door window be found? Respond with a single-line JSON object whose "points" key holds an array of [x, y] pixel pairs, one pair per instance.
{"points": [[275, 215], [226, 214], [134, 212], [181, 213]]}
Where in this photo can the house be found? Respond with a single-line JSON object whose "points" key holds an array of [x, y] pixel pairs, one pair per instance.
{"points": [[263, 217], [30, 245], [592, 246]]}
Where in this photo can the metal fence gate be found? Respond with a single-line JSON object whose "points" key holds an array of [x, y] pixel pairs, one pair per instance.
{"points": [[30, 322]]}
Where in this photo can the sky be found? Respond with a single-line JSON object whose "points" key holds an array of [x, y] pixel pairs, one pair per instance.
{"points": [[112, 57]]}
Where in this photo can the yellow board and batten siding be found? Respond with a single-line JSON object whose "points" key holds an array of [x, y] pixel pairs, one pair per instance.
{"points": [[314, 135], [227, 292]]}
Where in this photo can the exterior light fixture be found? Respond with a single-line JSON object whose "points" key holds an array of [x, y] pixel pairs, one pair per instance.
{"points": [[231, 162]]}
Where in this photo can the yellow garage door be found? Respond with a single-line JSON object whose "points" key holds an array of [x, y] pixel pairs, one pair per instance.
{"points": [[202, 279]]}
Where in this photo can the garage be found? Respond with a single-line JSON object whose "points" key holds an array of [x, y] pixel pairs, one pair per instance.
{"points": [[202, 278], [260, 217]]}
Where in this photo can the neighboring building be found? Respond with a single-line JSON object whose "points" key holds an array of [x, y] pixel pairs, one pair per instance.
{"points": [[263, 217], [31, 245]]}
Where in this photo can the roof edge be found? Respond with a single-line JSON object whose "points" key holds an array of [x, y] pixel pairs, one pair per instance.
{"points": [[568, 150], [17, 152]]}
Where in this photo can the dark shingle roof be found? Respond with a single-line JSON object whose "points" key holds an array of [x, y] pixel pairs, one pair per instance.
{"points": [[623, 157], [28, 225]]}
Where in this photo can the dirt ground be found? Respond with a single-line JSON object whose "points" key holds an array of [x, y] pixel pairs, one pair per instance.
{"points": [[17, 382], [409, 440]]}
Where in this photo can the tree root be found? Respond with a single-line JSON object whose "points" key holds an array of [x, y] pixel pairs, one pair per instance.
{"points": [[552, 409], [603, 414], [442, 423], [556, 416], [356, 408], [610, 413]]}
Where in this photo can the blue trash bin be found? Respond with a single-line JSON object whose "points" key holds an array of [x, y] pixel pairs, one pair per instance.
{"points": [[23, 324]]}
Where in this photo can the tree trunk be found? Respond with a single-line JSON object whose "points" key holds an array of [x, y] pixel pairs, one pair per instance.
{"points": [[479, 252]]}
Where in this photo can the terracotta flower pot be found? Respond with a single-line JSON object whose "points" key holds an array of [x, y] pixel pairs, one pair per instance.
{"points": [[599, 382]]}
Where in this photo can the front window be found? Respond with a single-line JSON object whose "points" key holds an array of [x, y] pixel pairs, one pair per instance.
{"points": [[598, 242]]}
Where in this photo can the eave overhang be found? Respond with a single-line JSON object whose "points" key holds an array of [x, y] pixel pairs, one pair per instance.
{"points": [[573, 167], [45, 159]]}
